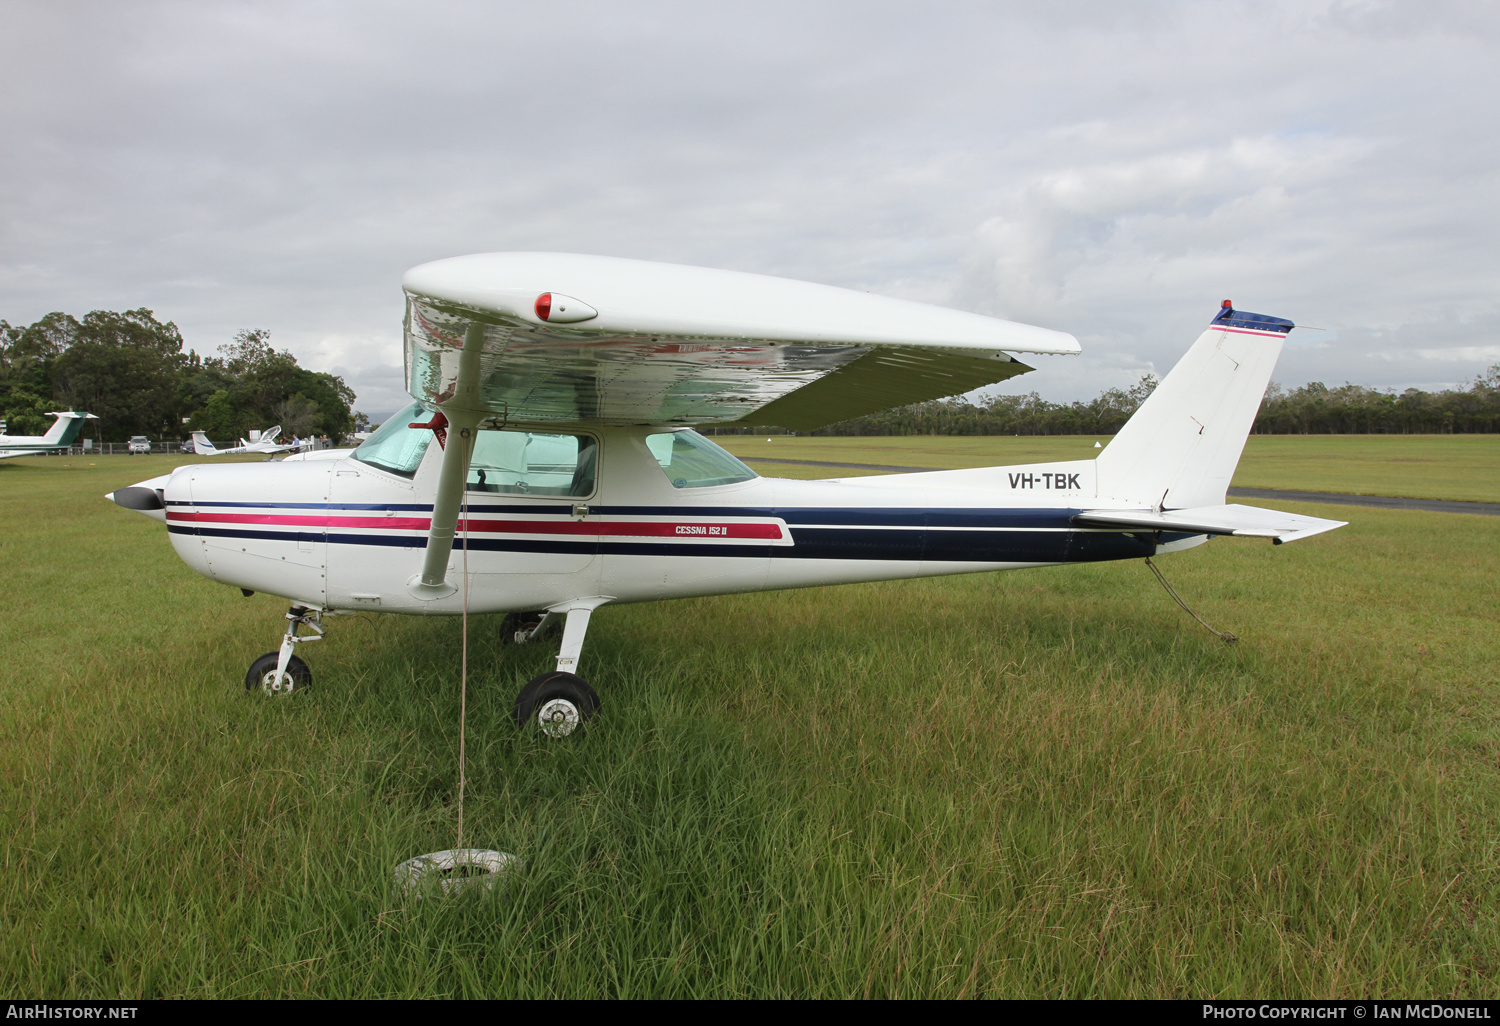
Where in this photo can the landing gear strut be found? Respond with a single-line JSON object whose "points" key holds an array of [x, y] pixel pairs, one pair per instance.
{"points": [[561, 701], [281, 672], [522, 628]]}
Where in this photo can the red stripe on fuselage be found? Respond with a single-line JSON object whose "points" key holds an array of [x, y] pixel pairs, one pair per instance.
{"points": [[304, 520], [614, 529]]}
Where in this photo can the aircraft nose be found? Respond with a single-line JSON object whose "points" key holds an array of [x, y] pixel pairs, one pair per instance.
{"points": [[138, 498], [146, 497]]}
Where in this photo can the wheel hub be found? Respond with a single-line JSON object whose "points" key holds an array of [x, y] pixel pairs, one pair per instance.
{"points": [[558, 718], [272, 686]]}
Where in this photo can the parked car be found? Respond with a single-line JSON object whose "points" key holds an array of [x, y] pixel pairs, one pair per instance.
{"points": [[139, 443]]}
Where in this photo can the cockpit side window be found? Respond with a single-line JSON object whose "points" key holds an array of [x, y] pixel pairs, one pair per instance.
{"points": [[394, 447], [530, 463], [691, 461]]}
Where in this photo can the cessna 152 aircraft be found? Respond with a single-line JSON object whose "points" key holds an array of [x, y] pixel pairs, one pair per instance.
{"points": [[548, 465], [266, 443], [61, 435]]}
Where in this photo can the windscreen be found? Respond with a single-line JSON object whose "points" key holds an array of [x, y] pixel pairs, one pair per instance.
{"points": [[393, 446], [691, 461]]}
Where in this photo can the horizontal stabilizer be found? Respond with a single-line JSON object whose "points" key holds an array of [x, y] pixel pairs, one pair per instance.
{"points": [[1241, 521]]}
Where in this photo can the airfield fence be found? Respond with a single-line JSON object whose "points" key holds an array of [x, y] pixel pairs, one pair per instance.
{"points": [[157, 448]]}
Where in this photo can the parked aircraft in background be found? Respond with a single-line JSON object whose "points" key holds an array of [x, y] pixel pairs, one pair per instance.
{"points": [[575, 479], [61, 435], [266, 443]]}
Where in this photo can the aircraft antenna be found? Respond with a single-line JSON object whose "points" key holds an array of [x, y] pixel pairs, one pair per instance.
{"points": [[1227, 637]]}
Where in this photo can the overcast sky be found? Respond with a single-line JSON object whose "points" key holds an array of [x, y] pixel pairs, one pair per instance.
{"points": [[1110, 169]]}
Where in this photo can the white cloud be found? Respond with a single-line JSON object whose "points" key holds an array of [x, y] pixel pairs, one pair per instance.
{"points": [[1112, 170]]}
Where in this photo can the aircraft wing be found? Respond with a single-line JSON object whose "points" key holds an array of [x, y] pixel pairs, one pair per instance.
{"points": [[1242, 521], [567, 339]]}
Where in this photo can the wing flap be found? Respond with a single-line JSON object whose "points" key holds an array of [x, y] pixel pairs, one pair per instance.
{"points": [[1234, 519], [880, 379]]}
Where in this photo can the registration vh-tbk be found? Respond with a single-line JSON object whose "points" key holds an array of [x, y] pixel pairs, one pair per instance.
{"points": [[548, 465]]}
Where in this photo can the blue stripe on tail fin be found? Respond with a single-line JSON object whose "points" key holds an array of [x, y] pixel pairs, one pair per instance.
{"points": [[1229, 317]]}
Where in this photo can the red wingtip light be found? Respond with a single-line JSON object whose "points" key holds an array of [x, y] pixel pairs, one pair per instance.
{"points": [[1227, 305], [557, 308]]}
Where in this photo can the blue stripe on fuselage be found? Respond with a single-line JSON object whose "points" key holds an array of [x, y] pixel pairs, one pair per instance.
{"points": [[1015, 546]]}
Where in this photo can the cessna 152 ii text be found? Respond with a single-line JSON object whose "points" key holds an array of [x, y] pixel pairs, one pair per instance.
{"points": [[551, 442], [61, 435]]}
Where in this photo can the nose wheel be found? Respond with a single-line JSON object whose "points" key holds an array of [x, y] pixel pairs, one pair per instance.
{"points": [[557, 702], [263, 675], [281, 672]]}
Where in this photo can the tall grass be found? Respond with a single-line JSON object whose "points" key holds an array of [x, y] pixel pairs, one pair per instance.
{"points": [[1039, 783]]}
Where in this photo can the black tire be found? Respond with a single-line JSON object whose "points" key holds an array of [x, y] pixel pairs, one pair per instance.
{"points": [[565, 699], [262, 669], [514, 622]]}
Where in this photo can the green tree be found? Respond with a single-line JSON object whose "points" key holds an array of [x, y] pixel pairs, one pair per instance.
{"points": [[298, 416], [123, 368], [25, 412], [26, 358], [252, 385]]}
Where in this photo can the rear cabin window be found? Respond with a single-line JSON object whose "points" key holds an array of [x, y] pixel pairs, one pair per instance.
{"points": [[394, 447], [691, 461], [529, 463]]}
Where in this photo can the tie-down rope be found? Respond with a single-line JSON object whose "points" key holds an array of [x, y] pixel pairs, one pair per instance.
{"points": [[1227, 637], [463, 686]]}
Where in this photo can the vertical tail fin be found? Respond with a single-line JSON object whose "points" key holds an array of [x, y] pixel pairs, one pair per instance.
{"points": [[201, 445], [1181, 447], [55, 432], [66, 428]]}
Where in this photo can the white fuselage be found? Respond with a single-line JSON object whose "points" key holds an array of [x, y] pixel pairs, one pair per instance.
{"points": [[341, 534]]}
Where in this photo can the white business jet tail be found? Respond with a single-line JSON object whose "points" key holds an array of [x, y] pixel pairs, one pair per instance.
{"points": [[66, 428]]}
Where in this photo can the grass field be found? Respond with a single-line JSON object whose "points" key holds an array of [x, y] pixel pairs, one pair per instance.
{"points": [[1417, 466], [1043, 783]]}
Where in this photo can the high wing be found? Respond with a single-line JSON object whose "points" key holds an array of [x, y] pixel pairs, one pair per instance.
{"points": [[566, 339], [1234, 519]]}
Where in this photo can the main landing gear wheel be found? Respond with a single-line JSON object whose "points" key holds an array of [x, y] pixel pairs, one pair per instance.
{"points": [[263, 675], [557, 702]]}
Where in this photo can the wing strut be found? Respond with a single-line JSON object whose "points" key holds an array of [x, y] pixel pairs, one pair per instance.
{"points": [[463, 412]]}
